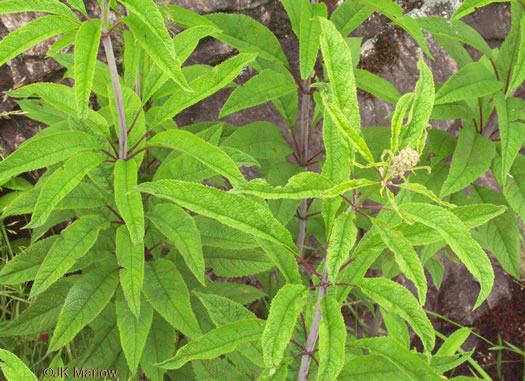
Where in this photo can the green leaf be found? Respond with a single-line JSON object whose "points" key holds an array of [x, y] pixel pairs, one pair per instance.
{"points": [[27, 36], [375, 85], [180, 229], [408, 362], [221, 340], [262, 88], [61, 183], [240, 293], [39, 152], [42, 313], [222, 310], [129, 204], [371, 367], [24, 266], [454, 342], [215, 234], [455, 233], [349, 15], [74, 242], [78, 5], [284, 311], [160, 345], [283, 259], [332, 335], [421, 108], [208, 154], [310, 30], [186, 41], [47, 6], [13, 368], [130, 258], [248, 36], [472, 81], [166, 291], [342, 239], [86, 50], [470, 6], [395, 298], [518, 74], [512, 134], [471, 159], [301, 186], [237, 263], [501, 235], [133, 330], [403, 109], [161, 51], [405, 256], [84, 302], [203, 87], [293, 9], [230, 209], [514, 190]]}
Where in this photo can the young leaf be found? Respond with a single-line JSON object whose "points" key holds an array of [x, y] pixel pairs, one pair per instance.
{"points": [[62, 182], [230, 209], [454, 342], [161, 52], [13, 368], [405, 256], [397, 299], [86, 50], [284, 311], [160, 345], [403, 109], [203, 87], [46, 6], [283, 260], [130, 258], [27, 36], [310, 30], [248, 36], [39, 152], [471, 81], [166, 291], [208, 154], [455, 233], [179, 227], [342, 239], [74, 242], [84, 302], [221, 340], [133, 330], [129, 204], [264, 87], [471, 159], [421, 108], [332, 335]]}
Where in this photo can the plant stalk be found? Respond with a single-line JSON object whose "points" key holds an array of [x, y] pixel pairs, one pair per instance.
{"points": [[115, 81]]}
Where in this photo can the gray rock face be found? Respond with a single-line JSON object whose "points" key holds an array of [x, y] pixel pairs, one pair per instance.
{"points": [[211, 6]]}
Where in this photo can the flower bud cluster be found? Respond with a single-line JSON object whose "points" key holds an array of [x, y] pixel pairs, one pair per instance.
{"points": [[406, 160]]}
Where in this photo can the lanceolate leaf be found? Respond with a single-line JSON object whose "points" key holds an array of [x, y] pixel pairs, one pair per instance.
{"points": [[186, 41], [237, 263], [13, 368], [332, 335], [160, 51], [215, 234], [403, 108], [455, 233], [179, 227], [129, 204], [406, 257], [310, 30], [86, 50], [133, 330], [341, 240], [230, 209], [283, 259], [349, 15], [84, 302], [73, 244], [395, 298], [131, 260], [284, 311], [217, 342], [514, 190], [166, 291], [160, 346], [375, 85], [78, 5], [39, 152], [31, 34], [366, 367], [203, 87], [47, 6], [470, 6], [264, 87], [61, 182], [518, 73], [206, 153], [471, 159]]}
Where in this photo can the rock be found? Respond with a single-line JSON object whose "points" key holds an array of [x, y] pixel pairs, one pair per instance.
{"points": [[211, 6]]}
